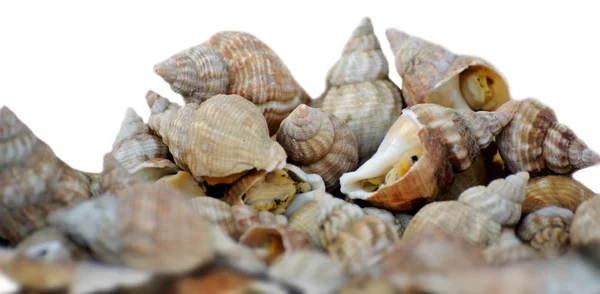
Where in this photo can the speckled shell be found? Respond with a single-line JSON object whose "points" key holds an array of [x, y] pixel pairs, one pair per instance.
{"points": [[585, 228], [536, 142], [319, 143], [428, 69], [223, 136], [547, 230], [359, 91], [271, 241], [558, 191], [146, 227], [510, 249]]}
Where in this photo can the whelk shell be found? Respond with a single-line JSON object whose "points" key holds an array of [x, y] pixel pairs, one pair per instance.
{"points": [[509, 249], [271, 241], [560, 191], [585, 228], [547, 230]]}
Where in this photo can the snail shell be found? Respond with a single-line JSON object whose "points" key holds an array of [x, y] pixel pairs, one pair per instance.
{"points": [[585, 228], [271, 241], [359, 91], [185, 183], [534, 141], [319, 143], [547, 230], [113, 178], [509, 249], [432, 74], [557, 191], [217, 212]]}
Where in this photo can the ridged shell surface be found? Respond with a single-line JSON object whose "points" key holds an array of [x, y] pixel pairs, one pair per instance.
{"points": [[585, 228], [560, 191]]}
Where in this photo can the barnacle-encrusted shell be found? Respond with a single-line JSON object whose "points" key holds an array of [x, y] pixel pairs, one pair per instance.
{"points": [[319, 143], [561, 191], [235, 63], [271, 241], [536, 142], [509, 249], [360, 92], [585, 228], [547, 229], [432, 74], [224, 136]]}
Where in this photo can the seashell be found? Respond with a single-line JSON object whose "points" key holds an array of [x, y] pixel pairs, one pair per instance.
{"points": [[140, 153], [147, 227], [217, 212], [432, 74], [476, 175], [411, 167], [557, 191], [509, 249], [319, 143], [246, 216], [51, 245], [337, 221], [547, 230], [224, 136], [363, 243], [185, 183], [271, 241], [113, 178], [214, 280], [309, 271], [360, 92], [235, 63], [232, 254], [536, 142], [303, 221], [385, 216], [585, 228]]}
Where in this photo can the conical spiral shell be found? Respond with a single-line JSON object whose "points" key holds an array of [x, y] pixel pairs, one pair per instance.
{"points": [[337, 221], [319, 143], [547, 230], [585, 228], [433, 74], [560, 191], [359, 91], [223, 136], [272, 241], [113, 178], [536, 142]]}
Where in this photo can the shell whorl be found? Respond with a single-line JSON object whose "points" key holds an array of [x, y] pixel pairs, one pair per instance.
{"points": [[547, 229], [560, 191], [407, 47]]}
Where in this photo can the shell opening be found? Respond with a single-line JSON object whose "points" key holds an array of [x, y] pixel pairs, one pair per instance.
{"points": [[275, 191], [230, 179], [184, 182], [482, 88], [152, 174]]}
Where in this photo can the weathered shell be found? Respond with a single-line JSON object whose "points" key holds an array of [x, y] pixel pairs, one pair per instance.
{"points": [[536, 142], [217, 212], [138, 151], [271, 241], [303, 221], [558, 191], [337, 221], [585, 228], [432, 74], [360, 92], [235, 63], [223, 136], [146, 226], [547, 230], [185, 183], [509, 249], [51, 245], [319, 143]]}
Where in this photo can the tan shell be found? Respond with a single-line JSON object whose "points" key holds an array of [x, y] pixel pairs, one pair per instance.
{"points": [[113, 178], [185, 183], [536, 142], [558, 191], [217, 212], [271, 241], [51, 245], [385, 216], [235, 63], [585, 228], [303, 221], [223, 136], [337, 221], [547, 230], [147, 227], [509, 249], [359, 91], [319, 143], [432, 74], [246, 216]]}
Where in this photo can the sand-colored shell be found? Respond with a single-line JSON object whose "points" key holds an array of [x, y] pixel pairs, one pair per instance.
{"points": [[385, 216], [246, 217], [113, 177], [509, 249], [585, 228], [51, 245], [141, 153], [432, 74], [558, 191], [547, 230], [319, 143], [185, 183], [271, 241], [146, 227], [337, 221], [235, 63], [303, 221], [224, 136], [217, 212], [536, 142], [360, 92]]}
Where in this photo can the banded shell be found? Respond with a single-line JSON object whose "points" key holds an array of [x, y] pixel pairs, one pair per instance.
{"points": [[360, 92], [534, 141], [235, 63], [560, 191], [271, 241], [224, 136], [547, 230], [146, 227], [415, 162], [509, 249], [585, 228], [432, 74], [319, 143]]}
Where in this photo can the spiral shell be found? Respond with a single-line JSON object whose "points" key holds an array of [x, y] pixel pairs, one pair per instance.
{"points": [[271, 241], [217, 212], [509, 249], [432, 74], [557, 191], [319, 143], [547, 230], [359, 91], [534, 141], [224, 136], [113, 177], [585, 228]]}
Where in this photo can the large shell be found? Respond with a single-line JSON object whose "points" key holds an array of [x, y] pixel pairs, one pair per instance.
{"points": [[235, 63], [439, 139], [146, 226], [432, 74], [536, 142], [223, 136], [271, 241], [558, 191], [319, 143], [217, 212], [359, 91], [585, 228], [547, 230]]}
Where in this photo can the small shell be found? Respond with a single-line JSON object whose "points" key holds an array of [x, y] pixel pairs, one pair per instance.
{"points": [[547, 230], [235, 255], [217, 212], [509, 249], [337, 221], [303, 221], [223, 136], [585, 228], [536, 142], [113, 177], [246, 216], [185, 183], [359, 91], [319, 143], [558, 191], [271, 241], [432, 74], [385, 216]]}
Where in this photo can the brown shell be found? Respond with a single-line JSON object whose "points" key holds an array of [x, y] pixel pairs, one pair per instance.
{"points": [[536, 142], [432, 74], [558, 191], [271, 241], [585, 228], [547, 230]]}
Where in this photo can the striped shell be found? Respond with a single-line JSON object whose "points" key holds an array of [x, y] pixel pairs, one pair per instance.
{"points": [[547, 230], [560, 191]]}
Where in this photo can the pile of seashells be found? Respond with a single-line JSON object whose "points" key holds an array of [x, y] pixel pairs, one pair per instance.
{"points": [[252, 186]]}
